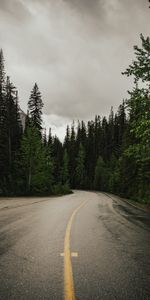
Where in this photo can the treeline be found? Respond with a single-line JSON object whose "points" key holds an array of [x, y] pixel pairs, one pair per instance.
{"points": [[113, 154], [108, 154], [28, 161]]}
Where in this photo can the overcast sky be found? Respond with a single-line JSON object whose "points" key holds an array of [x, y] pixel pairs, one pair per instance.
{"points": [[75, 50]]}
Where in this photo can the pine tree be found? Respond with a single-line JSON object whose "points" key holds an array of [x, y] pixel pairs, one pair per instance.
{"points": [[34, 162], [90, 153], [57, 155], [80, 167], [72, 156], [104, 138], [66, 144], [65, 168], [2, 73], [3, 129], [50, 138], [110, 134], [101, 175], [2, 93], [10, 128], [98, 137], [49, 163], [35, 106]]}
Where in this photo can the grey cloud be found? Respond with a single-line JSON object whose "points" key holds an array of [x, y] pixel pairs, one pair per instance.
{"points": [[14, 9], [102, 6], [74, 49], [88, 6]]}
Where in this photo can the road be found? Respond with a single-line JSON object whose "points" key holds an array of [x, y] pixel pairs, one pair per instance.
{"points": [[83, 246]]}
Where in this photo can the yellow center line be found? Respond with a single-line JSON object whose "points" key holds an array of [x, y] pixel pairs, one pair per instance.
{"points": [[69, 292]]}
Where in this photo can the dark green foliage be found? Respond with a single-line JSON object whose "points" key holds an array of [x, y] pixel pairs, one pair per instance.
{"points": [[57, 155], [80, 167], [117, 149], [140, 67], [100, 179], [98, 141], [65, 168], [2, 73], [10, 130], [136, 155], [61, 189], [36, 163]]}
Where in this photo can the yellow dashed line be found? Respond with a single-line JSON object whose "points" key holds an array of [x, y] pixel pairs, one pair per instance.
{"points": [[69, 292]]}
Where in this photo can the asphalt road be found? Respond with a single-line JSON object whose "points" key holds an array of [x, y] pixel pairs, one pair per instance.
{"points": [[109, 244]]}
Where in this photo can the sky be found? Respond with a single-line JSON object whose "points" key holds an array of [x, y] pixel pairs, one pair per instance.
{"points": [[75, 50]]}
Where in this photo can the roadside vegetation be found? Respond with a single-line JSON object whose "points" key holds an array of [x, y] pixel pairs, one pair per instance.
{"points": [[108, 154]]}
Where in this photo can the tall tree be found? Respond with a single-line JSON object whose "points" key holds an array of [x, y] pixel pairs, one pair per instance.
{"points": [[101, 175], [65, 168], [2, 73], [10, 128], [80, 167], [57, 155], [3, 129], [72, 155], [34, 162], [13, 122], [35, 106]]}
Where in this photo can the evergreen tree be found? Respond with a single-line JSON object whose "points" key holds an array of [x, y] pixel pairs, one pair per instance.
{"points": [[35, 106], [3, 129], [98, 137], [10, 130], [50, 139], [90, 153], [101, 175], [13, 123], [49, 163], [65, 168], [110, 134], [2, 73], [72, 156], [80, 167], [105, 142], [33, 162], [67, 139], [57, 155]]}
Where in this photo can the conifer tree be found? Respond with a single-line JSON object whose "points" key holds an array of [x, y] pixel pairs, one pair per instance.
{"points": [[65, 168], [101, 176], [66, 144], [3, 129], [13, 123], [33, 159], [50, 138], [57, 155], [72, 155], [35, 106], [80, 167], [2, 92]]}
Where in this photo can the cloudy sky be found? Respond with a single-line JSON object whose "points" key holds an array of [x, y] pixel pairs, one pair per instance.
{"points": [[75, 50]]}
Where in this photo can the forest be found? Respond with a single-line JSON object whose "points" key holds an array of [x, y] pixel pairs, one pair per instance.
{"points": [[108, 154]]}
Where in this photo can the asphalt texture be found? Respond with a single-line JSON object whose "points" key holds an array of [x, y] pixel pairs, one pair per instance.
{"points": [[111, 238]]}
